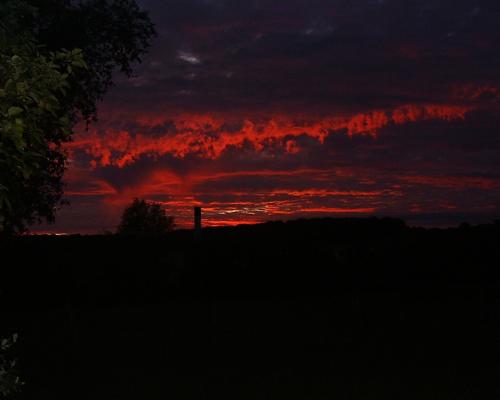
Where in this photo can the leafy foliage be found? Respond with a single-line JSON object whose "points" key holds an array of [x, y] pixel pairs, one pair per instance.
{"points": [[57, 59], [34, 124], [10, 382], [145, 219]]}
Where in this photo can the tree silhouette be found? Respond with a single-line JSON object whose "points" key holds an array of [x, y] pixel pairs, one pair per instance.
{"points": [[57, 59], [112, 35], [34, 125], [145, 219]]}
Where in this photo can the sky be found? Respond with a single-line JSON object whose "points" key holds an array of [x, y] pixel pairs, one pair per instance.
{"points": [[262, 110]]}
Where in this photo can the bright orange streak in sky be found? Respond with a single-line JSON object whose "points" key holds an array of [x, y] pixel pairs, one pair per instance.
{"points": [[208, 137]]}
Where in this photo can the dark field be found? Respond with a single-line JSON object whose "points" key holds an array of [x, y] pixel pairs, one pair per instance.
{"points": [[318, 309]]}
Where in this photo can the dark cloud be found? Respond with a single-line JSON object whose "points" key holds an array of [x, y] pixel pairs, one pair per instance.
{"points": [[271, 108], [315, 55]]}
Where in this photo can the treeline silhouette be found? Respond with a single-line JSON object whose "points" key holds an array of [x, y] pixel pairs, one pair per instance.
{"points": [[295, 257], [300, 309]]}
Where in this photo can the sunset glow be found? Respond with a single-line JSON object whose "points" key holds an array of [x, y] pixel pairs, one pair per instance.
{"points": [[326, 110]]}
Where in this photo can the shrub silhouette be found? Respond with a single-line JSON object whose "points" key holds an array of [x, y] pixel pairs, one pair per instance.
{"points": [[145, 219], [9, 381]]}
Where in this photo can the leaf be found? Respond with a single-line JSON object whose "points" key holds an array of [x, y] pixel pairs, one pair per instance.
{"points": [[35, 97], [26, 173], [8, 206], [10, 85], [14, 111]]}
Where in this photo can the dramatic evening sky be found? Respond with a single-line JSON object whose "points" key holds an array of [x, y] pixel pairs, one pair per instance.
{"points": [[276, 109]]}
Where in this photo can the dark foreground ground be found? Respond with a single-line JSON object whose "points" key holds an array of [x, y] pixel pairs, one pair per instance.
{"points": [[319, 309]]}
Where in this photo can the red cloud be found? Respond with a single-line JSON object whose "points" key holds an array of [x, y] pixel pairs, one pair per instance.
{"points": [[179, 194], [207, 136], [477, 92], [453, 182]]}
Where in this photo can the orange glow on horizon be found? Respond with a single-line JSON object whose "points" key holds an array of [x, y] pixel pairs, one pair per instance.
{"points": [[252, 192]]}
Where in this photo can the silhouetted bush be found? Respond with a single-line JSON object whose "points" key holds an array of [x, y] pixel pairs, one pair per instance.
{"points": [[9, 380], [145, 219]]}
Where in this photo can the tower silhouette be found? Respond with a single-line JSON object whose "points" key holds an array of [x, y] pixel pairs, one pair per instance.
{"points": [[197, 222]]}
